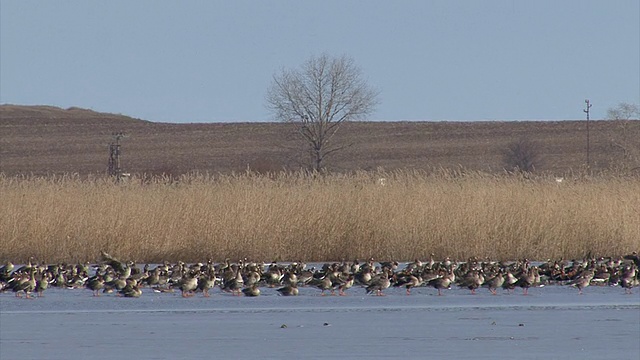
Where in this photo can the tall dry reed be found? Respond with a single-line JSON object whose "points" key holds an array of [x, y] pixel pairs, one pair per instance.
{"points": [[293, 216]]}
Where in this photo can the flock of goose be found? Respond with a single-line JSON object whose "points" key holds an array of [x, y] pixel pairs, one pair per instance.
{"points": [[246, 278]]}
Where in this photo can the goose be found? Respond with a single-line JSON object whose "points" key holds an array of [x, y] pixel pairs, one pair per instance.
{"points": [[389, 265], [473, 280], [16, 283], [138, 275], [25, 268], [27, 285], [289, 278], [429, 274], [131, 289], [30, 285], [323, 284], [526, 280], [251, 278], [77, 280], [154, 277], [510, 281], [288, 290], [274, 275], [234, 284], [345, 284], [118, 284], [629, 280], [3, 286], [379, 284], [409, 282], [251, 291], [633, 257], [441, 283], [582, 281], [494, 283], [355, 266], [42, 283], [416, 265], [188, 285], [95, 284], [120, 268], [305, 276], [602, 275], [5, 271], [207, 282], [364, 276]]}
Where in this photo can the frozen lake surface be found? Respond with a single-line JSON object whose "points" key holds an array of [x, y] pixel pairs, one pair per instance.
{"points": [[553, 322]]}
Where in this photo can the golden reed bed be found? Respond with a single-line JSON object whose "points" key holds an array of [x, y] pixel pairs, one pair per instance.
{"points": [[292, 216]]}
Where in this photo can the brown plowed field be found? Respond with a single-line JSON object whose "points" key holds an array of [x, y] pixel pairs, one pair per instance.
{"points": [[47, 140]]}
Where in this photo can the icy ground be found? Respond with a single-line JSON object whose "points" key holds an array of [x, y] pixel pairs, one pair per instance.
{"points": [[553, 322]]}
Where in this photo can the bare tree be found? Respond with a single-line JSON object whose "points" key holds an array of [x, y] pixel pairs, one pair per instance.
{"points": [[623, 111], [318, 98], [522, 155], [625, 137]]}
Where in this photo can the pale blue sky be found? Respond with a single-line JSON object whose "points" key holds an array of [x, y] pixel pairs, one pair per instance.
{"points": [[207, 61]]}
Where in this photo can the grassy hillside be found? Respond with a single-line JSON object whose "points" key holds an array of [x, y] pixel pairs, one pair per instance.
{"points": [[48, 140]]}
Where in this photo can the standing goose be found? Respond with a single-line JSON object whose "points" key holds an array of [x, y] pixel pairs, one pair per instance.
{"points": [[629, 280], [27, 286], [582, 281], [154, 277], [95, 284], [42, 283], [472, 281], [345, 284], [16, 283], [379, 284], [409, 282], [188, 284], [510, 281], [494, 283], [440, 283], [30, 285], [323, 284], [234, 283], [526, 280], [207, 282]]}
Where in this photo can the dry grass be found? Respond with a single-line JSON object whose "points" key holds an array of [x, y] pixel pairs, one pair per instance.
{"points": [[292, 216]]}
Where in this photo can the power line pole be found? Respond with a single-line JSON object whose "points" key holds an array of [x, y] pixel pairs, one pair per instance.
{"points": [[587, 111]]}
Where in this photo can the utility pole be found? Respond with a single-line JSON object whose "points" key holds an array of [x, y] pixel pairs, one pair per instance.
{"points": [[114, 156], [587, 110]]}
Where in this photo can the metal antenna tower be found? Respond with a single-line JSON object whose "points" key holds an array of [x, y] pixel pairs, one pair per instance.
{"points": [[587, 111]]}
